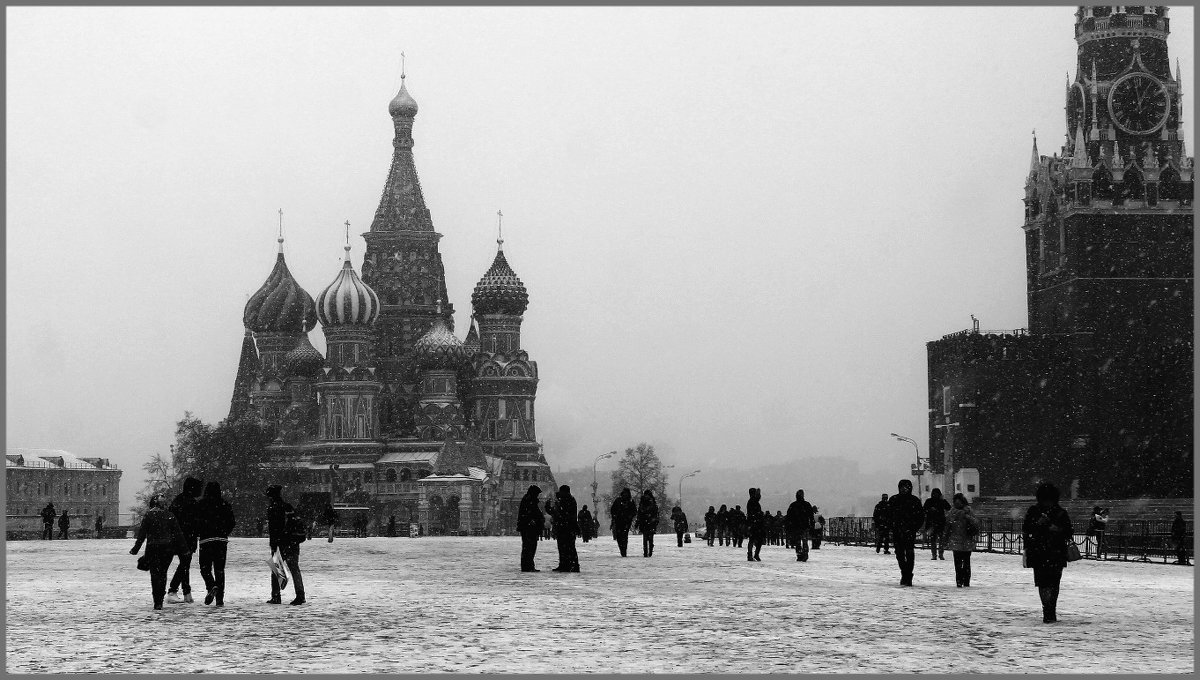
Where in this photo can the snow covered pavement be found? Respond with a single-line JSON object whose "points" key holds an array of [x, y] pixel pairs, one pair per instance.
{"points": [[462, 605]]}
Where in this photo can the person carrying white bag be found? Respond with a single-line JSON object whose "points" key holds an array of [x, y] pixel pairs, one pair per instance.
{"points": [[286, 531]]}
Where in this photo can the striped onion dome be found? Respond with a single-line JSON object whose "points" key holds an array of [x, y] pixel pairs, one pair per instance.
{"points": [[304, 360], [500, 291], [439, 348], [281, 305], [402, 104], [348, 301]]}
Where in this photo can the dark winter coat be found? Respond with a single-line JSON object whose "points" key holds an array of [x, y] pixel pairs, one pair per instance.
{"points": [[722, 519], [680, 520], [647, 516], [1178, 530], [184, 508], [530, 519], [755, 520], [159, 528], [961, 529], [907, 516], [882, 515], [277, 513], [585, 523], [1046, 532], [64, 521], [737, 520], [48, 514], [935, 513], [623, 512], [215, 520], [566, 515], [710, 520], [799, 517]]}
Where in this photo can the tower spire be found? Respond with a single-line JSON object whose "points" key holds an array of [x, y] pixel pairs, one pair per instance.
{"points": [[499, 230], [1080, 158], [1035, 160]]}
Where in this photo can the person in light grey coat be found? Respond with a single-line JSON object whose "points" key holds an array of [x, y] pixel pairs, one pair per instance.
{"points": [[959, 535]]}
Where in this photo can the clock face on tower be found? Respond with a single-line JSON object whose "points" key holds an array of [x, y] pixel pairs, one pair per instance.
{"points": [[1138, 103]]}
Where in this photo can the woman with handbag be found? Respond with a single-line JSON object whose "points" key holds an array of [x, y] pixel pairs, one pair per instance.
{"points": [[1047, 531], [164, 539], [960, 533]]}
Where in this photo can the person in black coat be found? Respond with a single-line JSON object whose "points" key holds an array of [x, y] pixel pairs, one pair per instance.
{"points": [[64, 524], [278, 513], [99, 526], [1046, 530], [622, 512], [935, 523], [679, 523], [530, 522], [585, 524], [723, 526], [737, 525], [184, 510], [756, 528], [48, 515], [797, 522], [215, 523], [164, 539], [907, 516], [647, 521], [1179, 538], [710, 525], [566, 527], [882, 521]]}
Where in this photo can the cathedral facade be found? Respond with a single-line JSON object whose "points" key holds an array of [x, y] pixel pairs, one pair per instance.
{"points": [[1096, 394], [400, 418]]}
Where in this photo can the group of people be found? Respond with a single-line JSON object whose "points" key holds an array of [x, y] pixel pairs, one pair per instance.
{"points": [[201, 523], [64, 523], [732, 527]]}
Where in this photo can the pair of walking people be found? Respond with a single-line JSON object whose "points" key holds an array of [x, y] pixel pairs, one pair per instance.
{"points": [[627, 515]]}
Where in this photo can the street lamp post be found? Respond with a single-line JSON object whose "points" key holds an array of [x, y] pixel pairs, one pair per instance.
{"points": [[917, 469], [595, 484], [950, 457], [690, 474]]}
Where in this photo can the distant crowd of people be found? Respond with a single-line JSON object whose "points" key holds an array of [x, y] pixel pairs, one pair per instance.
{"points": [[49, 514]]}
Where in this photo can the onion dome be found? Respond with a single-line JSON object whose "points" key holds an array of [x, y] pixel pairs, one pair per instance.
{"points": [[402, 104], [500, 291], [304, 360], [472, 344], [439, 348], [347, 301], [281, 305]]}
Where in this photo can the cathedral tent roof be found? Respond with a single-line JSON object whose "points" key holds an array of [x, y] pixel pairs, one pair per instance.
{"points": [[407, 456]]}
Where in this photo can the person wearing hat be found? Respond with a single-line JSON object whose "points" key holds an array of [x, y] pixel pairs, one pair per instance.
{"points": [[184, 508], [960, 533], [48, 515], [164, 539], [566, 527], [647, 521], [907, 517], [530, 521], [278, 512]]}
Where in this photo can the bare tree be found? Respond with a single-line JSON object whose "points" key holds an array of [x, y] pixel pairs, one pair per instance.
{"points": [[160, 475], [638, 470]]}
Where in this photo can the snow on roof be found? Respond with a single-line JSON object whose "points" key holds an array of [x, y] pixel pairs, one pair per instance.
{"points": [[51, 458], [476, 475], [407, 456]]}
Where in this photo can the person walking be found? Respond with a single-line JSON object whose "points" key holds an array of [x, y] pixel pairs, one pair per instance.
{"points": [[530, 522], [215, 523], [280, 514], [585, 524], [64, 524], [329, 517], [160, 532], [960, 534], [935, 523], [647, 522], [780, 533], [1179, 538], [184, 510], [882, 523], [391, 526], [1046, 530], [906, 518], [755, 526], [797, 520], [679, 523], [623, 512], [99, 526], [723, 526], [737, 521], [818, 529], [710, 525], [566, 527], [48, 515], [1097, 526]]}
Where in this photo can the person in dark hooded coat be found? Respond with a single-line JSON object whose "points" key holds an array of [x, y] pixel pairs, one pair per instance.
{"points": [[530, 522], [622, 512], [184, 509], [64, 524], [797, 520], [906, 517], [756, 528], [936, 508], [647, 520], [585, 524], [216, 522], [164, 539], [279, 512], [723, 526], [566, 527], [710, 525], [48, 515], [679, 523], [1046, 530]]}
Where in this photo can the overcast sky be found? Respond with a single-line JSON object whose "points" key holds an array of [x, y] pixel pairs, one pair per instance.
{"points": [[738, 227]]}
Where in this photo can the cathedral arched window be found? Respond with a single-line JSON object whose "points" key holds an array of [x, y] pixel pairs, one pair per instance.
{"points": [[1102, 184], [390, 475], [405, 474], [1169, 186], [1133, 186]]}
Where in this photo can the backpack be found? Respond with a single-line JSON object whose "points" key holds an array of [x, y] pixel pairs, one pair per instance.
{"points": [[293, 527]]}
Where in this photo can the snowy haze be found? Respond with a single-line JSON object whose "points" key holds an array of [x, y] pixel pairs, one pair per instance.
{"points": [[738, 227]]}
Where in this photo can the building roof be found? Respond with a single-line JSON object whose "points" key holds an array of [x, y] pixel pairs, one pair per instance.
{"points": [[56, 459], [407, 456], [474, 474]]}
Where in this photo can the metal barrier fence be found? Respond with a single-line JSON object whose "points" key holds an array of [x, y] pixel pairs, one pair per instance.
{"points": [[1127, 540]]}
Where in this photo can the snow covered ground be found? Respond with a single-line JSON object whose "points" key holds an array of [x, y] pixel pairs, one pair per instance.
{"points": [[462, 605]]}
